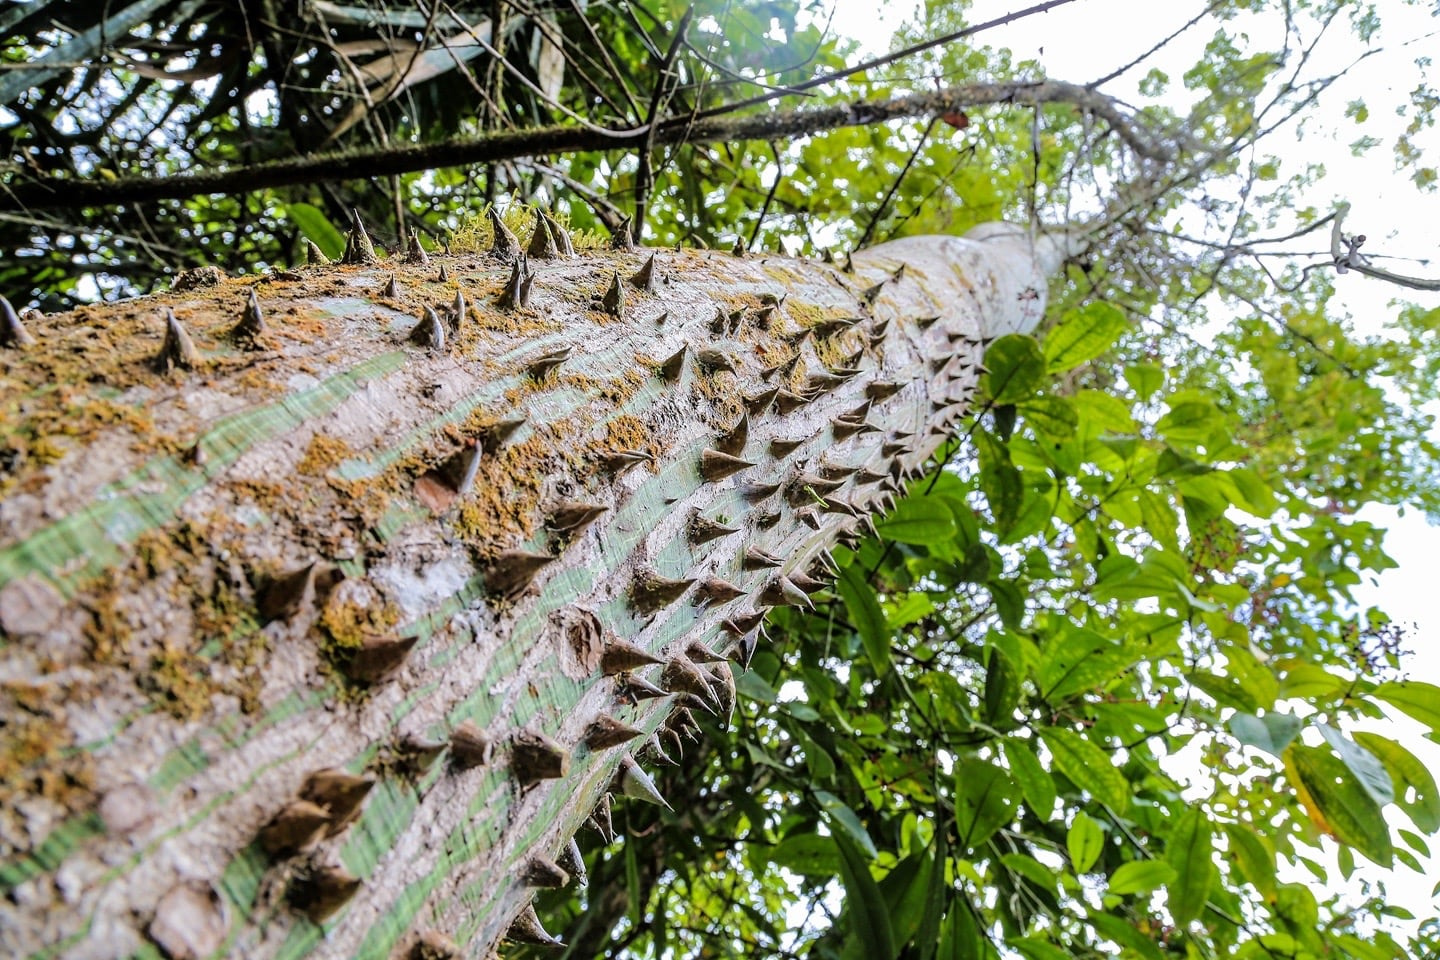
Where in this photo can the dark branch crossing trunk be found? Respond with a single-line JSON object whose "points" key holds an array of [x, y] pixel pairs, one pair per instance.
{"points": [[315, 608]]}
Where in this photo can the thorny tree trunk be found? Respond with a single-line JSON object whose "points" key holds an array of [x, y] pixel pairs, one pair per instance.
{"points": [[269, 561]]}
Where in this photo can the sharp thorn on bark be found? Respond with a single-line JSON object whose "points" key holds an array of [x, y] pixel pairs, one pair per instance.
{"points": [[780, 449], [622, 238], [600, 818], [535, 757], [716, 590], [252, 323], [766, 520], [644, 278], [699, 653], [526, 928], [415, 253], [870, 294], [391, 290], [787, 402], [314, 256], [755, 492], [631, 688], [430, 331], [340, 794], [605, 732], [732, 441], [417, 755], [505, 245], [512, 571], [756, 559], [570, 516], [621, 656], [571, 861], [702, 530], [377, 657], [636, 783], [539, 367], [780, 591], [618, 461], [458, 309], [881, 389], [739, 624], [739, 248], [716, 466], [744, 649], [925, 323], [516, 294], [320, 891], [650, 592], [758, 403], [542, 241], [543, 873], [809, 516], [177, 350], [561, 235], [714, 361], [359, 249], [656, 751], [444, 275], [613, 302], [298, 826], [469, 747], [681, 675], [496, 433], [288, 594], [671, 367]]}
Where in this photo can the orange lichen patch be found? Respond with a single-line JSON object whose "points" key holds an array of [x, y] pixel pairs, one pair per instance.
{"points": [[626, 432], [323, 454], [36, 755], [615, 390], [354, 613], [178, 681], [264, 494], [503, 506]]}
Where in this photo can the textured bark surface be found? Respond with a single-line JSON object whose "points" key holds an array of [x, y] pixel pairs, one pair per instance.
{"points": [[204, 572]]}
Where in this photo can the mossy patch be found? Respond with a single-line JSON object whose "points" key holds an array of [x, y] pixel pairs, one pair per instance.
{"points": [[323, 454]]}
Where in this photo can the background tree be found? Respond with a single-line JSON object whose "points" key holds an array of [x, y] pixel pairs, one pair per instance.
{"points": [[1140, 544]]}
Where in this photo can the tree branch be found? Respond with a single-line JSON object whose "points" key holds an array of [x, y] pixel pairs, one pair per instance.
{"points": [[52, 193]]}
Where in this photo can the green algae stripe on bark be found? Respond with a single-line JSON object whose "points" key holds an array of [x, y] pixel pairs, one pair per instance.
{"points": [[118, 516]]}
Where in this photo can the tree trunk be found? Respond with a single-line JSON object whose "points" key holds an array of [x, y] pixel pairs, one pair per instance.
{"points": [[337, 545]]}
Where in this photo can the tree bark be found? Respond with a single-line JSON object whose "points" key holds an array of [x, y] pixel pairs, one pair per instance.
{"points": [[217, 581]]}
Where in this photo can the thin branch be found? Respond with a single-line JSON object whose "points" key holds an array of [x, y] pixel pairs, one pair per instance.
{"points": [[45, 193]]}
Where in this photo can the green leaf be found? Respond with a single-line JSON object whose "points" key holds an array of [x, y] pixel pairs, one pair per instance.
{"points": [[1015, 369], [1252, 856], [865, 613], [921, 520], [985, 800], [927, 934], [1337, 803], [1190, 850], [869, 917], [1088, 767], [1076, 660], [1123, 932], [317, 229], [1368, 769], [844, 822], [1084, 842], [1083, 335], [1420, 700], [809, 854], [999, 480], [1271, 733], [1415, 790], [1035, 782], [1033, 948], [1055, 417], [1141, 876]]}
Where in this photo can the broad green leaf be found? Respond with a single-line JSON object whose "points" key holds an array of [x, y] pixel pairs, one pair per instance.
{"points": [[962, 938], [936, 899], [1189, 849], [869, 918], [1124, 933], [1145, 378], [1088, 767], [865, 613], [1252, 856], [1420, 700], [1083, 335], [1337, 803], [1055, 417], [1084, 842], [808, 853], [1015, 369], [907, 609], [1033, 948], [985, 800], [1271, 733], [1035, 781], [1031, 869], [1076, 660], [1366, 767], [317, 229], [844, 822], [999, 480], [1415, 789], [1141, 876], [919, 520]]}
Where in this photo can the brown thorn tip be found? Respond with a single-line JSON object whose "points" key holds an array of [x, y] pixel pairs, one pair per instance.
{"points": [[651, 592], [287, 594], [570, 516], [378, 657], [298, 826], [715, 465], [716, 590], [543, 365], [512, 571], [543, 873], [535, 757], [605, 732], [469, 747], [671, 367], [320, 891], [429, 332], [314, 256], [702, 530], [732, 441], [416, 253], [339, 794], [505, 245], [177, 350], [252, 321], [644, 278], [391, 290], [614, 300], [527, 928], [621, 656]]}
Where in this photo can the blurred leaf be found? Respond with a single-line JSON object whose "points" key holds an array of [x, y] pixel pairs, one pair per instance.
{"points": [[1084, 842], [1083, 335], [1140, 876], [869, 919]]}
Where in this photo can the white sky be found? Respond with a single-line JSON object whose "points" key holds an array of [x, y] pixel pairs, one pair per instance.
{"points": [[1084, 40]]}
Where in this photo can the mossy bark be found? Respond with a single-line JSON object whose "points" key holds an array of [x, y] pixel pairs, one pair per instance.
{"points": [[285, 557]]}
